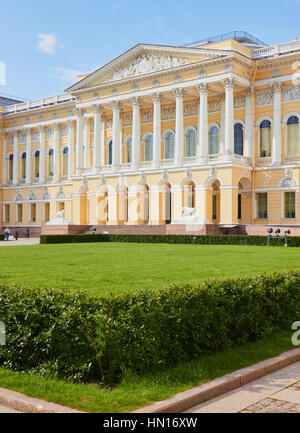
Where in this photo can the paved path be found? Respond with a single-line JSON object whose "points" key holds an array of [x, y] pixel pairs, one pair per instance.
{"points": [[278, 392], [21, 241], [7, 410]]}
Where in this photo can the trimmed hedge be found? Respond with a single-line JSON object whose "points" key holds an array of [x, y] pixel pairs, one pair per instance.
{"points": [[2, 237], [79, 337], [293, 241]]}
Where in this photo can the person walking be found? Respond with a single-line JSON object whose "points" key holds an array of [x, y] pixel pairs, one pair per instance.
{"points": [[27, 234], [7, 232], [16, 235]]}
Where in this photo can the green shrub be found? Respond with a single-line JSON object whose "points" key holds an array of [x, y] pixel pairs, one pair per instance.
{"points": [[78, 337], [2, 237], [293, 241]]}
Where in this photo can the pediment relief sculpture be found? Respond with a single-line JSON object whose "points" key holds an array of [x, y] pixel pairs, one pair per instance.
{"points": [[145, 63]]}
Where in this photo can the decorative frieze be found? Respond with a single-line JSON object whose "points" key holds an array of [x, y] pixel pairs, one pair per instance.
{"points": [[127, 119], [291, 93], [22, 138], [147, 116], [239, 101], [213, 105], [49, 133], [10, 140], [190, 109], [35, 136], [168, 113], [264, 98], [64, 131]]}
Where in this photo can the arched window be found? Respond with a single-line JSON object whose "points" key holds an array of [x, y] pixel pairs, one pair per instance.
{"points": [[110, 153], [169, 145], [129, 150], [190, 143], [10, 167], [213, 140], [293, 135], [265, 138], [23, 165], [36, 163], [238, 139], [50, 163], [65, 161], [149, 148]]}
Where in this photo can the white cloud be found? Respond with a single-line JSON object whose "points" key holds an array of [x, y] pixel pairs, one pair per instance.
{"points": [[67, 75], [47, 43]]}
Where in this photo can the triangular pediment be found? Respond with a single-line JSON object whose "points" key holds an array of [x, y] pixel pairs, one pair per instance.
{"points": [[142, 60]]}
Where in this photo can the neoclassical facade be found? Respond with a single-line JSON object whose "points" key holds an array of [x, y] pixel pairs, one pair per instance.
{"points": [[212, 126]]}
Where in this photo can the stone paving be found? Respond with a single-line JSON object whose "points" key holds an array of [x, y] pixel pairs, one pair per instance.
{"points": [[4, 409], [278, 392], [284, 401], [20, 241]]}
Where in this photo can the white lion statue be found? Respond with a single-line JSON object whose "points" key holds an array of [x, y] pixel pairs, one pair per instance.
{"points": [[188, 211]]}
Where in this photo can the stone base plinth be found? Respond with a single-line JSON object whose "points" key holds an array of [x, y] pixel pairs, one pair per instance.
{"points": [[63, 229]]}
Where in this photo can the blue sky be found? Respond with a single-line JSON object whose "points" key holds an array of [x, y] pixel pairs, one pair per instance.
{"points": [[45, 44]]}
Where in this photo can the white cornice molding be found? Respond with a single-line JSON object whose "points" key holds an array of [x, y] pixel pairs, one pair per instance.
{"points": [[39, 124], [169, 87]]}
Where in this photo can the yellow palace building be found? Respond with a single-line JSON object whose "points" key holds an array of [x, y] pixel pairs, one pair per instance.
{"points": [[211, 127]]}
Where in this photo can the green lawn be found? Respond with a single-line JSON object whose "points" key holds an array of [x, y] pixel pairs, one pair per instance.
{"points": [[137, 391], [118, 267]]}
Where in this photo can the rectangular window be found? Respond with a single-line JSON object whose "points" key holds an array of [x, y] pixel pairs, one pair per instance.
{"points": [[19, 212], [33, 212], [262, 205], [7, 213], [47, 212], [214, 207], [289, 205]]}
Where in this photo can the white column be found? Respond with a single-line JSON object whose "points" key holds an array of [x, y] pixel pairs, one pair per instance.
{"points": [[56, 153], [15, 161], [79, 143], [248, 122], [97, 138], [203, 123], [222, 131], [228, 84], [86, 139], [276, 151], [28, 157], [136, 132], [179, 127], [71, 149], [42, 155], [116, 135], [4, 161], [102, 141], [156, 97]]}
